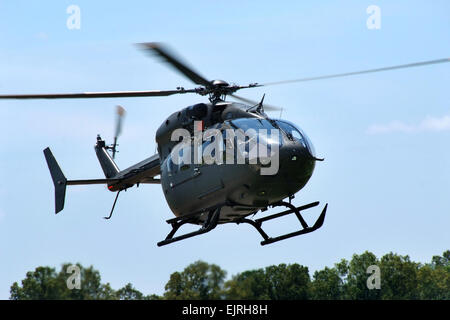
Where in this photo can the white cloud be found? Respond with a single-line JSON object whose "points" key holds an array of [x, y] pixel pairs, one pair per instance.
{"points": [[430, 123]]}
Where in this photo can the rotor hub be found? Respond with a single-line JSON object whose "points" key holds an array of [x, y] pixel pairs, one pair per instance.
{"points": [[219, 83]]}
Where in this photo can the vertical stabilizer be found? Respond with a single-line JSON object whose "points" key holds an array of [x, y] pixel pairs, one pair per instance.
{"points": [[59, 180]]}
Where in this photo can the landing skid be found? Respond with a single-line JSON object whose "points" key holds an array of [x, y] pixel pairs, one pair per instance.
{"points": [[209, 224], [214, 214], [292, 209]]}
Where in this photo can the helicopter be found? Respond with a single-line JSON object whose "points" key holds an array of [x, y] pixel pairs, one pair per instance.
{"points": [[209, 193]]}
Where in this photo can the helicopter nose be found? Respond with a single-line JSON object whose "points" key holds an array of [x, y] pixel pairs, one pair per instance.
{"points": [[295, 166], [297, 162]]}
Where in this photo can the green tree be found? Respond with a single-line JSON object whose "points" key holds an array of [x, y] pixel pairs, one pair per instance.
{"points": [[444, 261], [44, 283], [398, 277], [401, 278], [129, 293], [199, 280], [326, 285], [434, 279], [153, 297], [248, 285], [354, 277], [288, 282], [38, 284], [282, 282]]}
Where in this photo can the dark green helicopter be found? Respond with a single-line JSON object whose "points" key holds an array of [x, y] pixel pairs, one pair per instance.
{"points": [[208, 194]]}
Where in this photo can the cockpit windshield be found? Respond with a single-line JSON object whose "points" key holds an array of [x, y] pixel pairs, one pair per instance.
{"points": [[271, 135], [287, 130], [296, 133], [252, 123], [290, 130]]}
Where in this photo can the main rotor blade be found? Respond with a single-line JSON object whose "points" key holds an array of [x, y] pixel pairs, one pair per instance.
{"points": [[403, 66], [169, 57], [266, 107], [89, 95]]}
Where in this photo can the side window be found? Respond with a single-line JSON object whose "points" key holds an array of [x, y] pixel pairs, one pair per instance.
{"points": [[206, 156], [171, 167], [228, 147], [182, 166], [209, 152]]}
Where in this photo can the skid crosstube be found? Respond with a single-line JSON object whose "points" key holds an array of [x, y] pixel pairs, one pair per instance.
{"points": [[292, 209]]}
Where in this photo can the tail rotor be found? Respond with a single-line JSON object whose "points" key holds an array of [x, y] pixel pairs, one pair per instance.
{"points": [[120, 114]]}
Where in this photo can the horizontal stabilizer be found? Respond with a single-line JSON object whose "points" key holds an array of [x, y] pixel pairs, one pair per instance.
{"points": [[91, 181]]}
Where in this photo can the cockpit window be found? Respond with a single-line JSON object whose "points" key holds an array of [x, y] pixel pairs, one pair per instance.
{"points": [[251, 134], [297, 134], [290, 130], [252, 123], [256, 124]]}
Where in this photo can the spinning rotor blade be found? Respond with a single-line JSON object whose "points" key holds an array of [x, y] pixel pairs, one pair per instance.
{"points": [[170, 58], [86, 95], [266, 107], [403, 66], [120, 114]]}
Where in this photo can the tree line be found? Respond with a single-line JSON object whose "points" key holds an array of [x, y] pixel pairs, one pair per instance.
{"points": [[400, 278]]}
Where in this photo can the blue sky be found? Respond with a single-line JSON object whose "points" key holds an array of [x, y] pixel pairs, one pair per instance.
{"points": [[384, 136]]}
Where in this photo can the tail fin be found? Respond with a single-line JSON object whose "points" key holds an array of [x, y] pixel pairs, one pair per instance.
{"points": [[109, 167], [59, 180]]}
